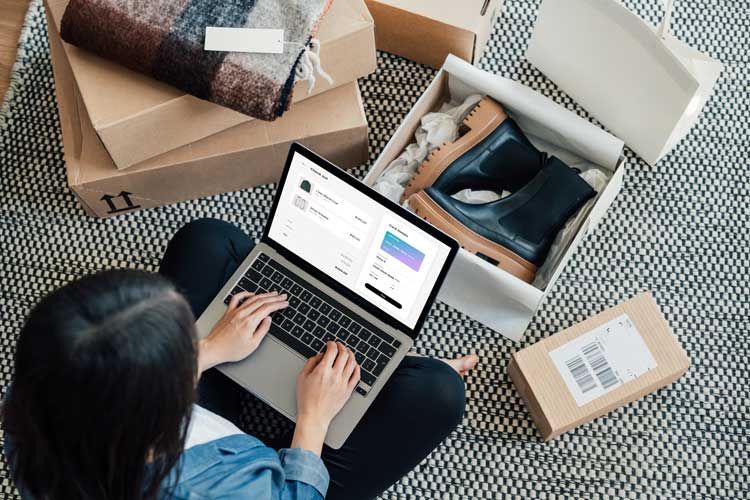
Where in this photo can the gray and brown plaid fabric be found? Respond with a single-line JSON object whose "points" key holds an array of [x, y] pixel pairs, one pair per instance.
{"points": [[165, 39]]}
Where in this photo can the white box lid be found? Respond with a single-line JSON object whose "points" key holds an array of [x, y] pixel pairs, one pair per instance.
{"points": [[644, 85]]}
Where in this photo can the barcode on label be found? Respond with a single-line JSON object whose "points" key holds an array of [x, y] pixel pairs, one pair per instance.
{"points": [[581, 374], [602, 359], [600, 365]]}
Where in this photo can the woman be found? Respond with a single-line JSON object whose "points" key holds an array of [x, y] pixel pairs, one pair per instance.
{"points": [[102, 402]]}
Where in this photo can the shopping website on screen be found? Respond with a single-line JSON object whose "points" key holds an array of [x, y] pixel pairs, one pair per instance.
{"points": [[358, 242]]}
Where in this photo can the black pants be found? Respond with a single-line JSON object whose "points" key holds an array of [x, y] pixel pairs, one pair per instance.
{"points": [[419, 406]]}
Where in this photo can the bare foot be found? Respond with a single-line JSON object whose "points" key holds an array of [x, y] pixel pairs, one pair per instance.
{"points": [[464, 364]]}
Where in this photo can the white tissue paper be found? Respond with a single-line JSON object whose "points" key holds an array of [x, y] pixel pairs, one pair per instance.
{"points": [[443, 126]]}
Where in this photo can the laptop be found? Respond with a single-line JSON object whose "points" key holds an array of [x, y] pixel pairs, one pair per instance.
{"points": [[357, 268]]}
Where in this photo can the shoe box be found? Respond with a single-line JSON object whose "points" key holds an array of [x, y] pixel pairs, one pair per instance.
{"points": [[482, 290], [427, 31], [571, 40], [137, 118], [247, 154], [597, 366]]}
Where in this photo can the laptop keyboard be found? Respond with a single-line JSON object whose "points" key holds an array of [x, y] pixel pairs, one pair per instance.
{"points": [[313, 318]]}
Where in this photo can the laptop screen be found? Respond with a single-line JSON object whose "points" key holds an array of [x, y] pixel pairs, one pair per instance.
{"points": [[357, 241]]}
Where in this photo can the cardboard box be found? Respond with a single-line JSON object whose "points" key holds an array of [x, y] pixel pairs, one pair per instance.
{"points": [[426, 31], [574, 42], [481, 290], [596, 366], [253, 153], [138, 118]]}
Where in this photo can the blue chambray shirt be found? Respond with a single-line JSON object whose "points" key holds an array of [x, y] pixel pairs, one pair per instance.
{"points": [[242, 467]]}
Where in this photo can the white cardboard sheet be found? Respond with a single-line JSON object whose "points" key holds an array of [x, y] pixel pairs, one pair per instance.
{"points": [[590, 49]]}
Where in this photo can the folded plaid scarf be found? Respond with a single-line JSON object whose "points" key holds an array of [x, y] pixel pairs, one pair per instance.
{"points": [[164, 39]]}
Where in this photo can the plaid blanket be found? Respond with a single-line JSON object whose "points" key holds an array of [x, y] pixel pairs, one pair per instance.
{"points": [[164, 39]]}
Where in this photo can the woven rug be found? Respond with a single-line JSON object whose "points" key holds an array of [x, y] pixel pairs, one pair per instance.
{"points": [[680, 229]]}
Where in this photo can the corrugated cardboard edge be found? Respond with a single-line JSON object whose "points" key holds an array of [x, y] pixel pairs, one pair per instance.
{"points": [[547, 428], [67, 110], [90, 193]]}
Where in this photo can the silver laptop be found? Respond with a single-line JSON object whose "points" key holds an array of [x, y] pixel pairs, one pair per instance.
{"points": [[357, 268]]}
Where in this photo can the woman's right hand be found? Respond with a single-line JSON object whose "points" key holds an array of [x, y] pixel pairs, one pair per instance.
{"points": [[323, 387]]}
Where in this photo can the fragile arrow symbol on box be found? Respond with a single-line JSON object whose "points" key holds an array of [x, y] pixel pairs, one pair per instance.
{"points": [[125, 195]]}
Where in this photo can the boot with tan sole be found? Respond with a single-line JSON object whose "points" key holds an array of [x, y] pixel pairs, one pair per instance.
{"points": [[493, 152], [514, 233]]}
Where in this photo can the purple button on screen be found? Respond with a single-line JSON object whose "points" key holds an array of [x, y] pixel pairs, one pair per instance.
{"points": [[401, 250]]}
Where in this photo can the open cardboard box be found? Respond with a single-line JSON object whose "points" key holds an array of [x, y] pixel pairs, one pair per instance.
{"points": [[426, 31], [138, 118], [485, 292], [249, 154]]}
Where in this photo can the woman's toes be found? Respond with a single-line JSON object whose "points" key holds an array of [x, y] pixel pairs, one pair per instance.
{"points": [[468, 363], [463, 364]]}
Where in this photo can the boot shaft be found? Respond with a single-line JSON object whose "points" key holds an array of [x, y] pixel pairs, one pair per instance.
{"points": [[527, 221]]}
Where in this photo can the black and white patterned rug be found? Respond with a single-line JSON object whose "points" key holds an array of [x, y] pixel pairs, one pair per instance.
{"points": [[680, 229]]}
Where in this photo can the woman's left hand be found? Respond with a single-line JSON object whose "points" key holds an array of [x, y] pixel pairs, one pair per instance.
{"points": [[239, 332]]}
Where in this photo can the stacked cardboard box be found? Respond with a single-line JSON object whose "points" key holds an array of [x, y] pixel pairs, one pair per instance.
{"points": [[132, 142]]}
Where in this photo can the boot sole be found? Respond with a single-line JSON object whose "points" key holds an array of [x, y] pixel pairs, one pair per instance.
{"points": [[483, 119], [488, 250]]}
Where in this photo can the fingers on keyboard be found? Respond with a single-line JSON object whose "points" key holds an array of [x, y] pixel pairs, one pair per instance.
{"points": [[312, 319]]}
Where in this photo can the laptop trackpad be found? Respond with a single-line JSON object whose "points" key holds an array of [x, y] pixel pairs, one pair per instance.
{"points": [[271, 374]]}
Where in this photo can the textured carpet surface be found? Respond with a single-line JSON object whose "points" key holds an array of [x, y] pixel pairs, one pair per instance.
{"points": [[680, 229]]}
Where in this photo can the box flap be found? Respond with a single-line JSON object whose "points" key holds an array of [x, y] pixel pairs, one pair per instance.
{"points": [[465, 14], [590, 47], [129, 109], [427, 31]]}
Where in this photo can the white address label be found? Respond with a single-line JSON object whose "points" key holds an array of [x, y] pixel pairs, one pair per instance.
{"points": [[264, 41], [603, 359]]}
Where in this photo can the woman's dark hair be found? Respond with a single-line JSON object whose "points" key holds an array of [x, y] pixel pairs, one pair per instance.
{"points": [[104, 383]]}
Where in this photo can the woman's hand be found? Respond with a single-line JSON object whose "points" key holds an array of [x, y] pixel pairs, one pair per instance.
{"points": [[239, 332], [323, 387]]}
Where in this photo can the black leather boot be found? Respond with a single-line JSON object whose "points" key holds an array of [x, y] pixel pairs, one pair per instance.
{"points": [[516, 232], [493, 154]]}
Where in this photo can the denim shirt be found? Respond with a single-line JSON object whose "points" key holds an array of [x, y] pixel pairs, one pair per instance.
{"points": [[242, 467]]}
